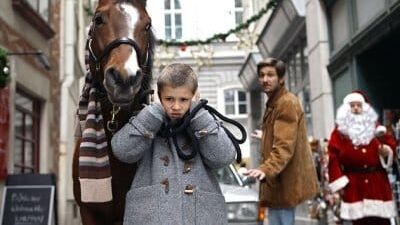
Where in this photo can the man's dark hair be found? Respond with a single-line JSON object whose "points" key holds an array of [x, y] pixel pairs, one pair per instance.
{"points": [[279, 66]]}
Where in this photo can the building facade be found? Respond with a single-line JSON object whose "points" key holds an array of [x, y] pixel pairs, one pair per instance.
{"points": [[45, 40], [74, 21], [29, 32], [331, 47], [363, 47]]}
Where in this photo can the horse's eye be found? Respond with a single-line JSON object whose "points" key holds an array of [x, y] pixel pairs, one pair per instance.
{"points": [[98, 20], [148, 26]]}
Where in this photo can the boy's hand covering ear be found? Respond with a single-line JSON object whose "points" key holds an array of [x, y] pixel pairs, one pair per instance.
{"points": [[192, 106], [157, 110]]}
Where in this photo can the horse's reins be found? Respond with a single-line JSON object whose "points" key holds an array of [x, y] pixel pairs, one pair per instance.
{"points": [[185, 129], [112, 125]]}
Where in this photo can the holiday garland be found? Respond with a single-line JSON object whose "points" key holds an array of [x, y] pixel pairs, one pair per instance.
{"points": [[222, 36], [216, 37], [4, 68]]}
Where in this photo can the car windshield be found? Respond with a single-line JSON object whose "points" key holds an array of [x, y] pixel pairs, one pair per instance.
{"points": [[226, 176]]}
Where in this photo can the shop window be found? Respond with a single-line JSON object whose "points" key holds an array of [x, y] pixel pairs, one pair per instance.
{"points": [[172, 19], [235, 102], [297, 77], [366, 10], [339, 24], [342, 85], [26, 141]]}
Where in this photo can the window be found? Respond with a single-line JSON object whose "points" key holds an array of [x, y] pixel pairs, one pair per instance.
{"points": [[297, 76], [342, 85], [339, 24], [225, 175], [235, 102], [238, 12], [26, 142], [37, 14], [41, 7], [173, 19]]}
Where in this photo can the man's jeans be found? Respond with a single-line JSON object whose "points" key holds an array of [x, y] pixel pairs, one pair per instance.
{"points": [[280, 216]]}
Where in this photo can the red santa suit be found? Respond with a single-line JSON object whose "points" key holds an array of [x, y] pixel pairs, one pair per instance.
{"points": [[356, 166]]}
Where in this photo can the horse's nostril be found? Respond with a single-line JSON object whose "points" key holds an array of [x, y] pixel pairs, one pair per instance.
{"points": [[113, 75], [133, 79]]}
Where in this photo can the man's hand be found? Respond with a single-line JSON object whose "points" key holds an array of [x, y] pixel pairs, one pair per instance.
{"points": [[256, 173], [256, 134]]}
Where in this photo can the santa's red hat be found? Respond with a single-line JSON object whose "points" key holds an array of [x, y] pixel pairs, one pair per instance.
{"points": [[356, 96]]}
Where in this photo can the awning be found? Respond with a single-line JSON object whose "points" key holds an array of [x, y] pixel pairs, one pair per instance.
{"points": [[248, 72], [283, 25]]}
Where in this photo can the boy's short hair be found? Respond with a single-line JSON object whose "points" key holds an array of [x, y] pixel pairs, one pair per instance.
{"points": [[177, 75], [279, 66]]}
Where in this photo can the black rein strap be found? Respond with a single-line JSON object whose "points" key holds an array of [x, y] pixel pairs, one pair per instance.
{"points": [[184, 128]]}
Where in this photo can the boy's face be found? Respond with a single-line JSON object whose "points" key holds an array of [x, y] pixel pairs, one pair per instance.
{"points": [[176, 101]]}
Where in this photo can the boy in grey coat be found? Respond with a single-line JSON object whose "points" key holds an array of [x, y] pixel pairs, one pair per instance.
{"points": [[168, 189]]}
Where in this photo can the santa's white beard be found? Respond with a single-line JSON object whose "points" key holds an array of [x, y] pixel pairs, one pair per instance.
{"points": [[360, 128]]}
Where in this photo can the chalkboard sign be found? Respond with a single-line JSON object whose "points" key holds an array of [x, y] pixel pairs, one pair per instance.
{"points": [[27, 205], [29, 199]]}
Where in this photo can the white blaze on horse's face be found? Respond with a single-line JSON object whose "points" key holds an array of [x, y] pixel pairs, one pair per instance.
{"points": [[131, 65]]}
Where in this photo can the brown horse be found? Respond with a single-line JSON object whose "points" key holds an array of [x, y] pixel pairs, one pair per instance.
{"points": [[121, 48]]}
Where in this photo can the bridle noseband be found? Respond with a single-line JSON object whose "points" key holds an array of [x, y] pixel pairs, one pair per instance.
{"points": [[114, 44]]}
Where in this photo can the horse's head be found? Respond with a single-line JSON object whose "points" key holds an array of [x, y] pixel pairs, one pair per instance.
{"points": [[121, 48]]}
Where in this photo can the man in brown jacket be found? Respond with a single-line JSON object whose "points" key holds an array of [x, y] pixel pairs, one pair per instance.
{"points": [[287, 172]]}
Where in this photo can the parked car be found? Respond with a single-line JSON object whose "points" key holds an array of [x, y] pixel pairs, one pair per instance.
{"points": [[240, 198]]}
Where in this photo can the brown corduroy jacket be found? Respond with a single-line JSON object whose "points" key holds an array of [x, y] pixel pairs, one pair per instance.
{"points": [[286, 155]]}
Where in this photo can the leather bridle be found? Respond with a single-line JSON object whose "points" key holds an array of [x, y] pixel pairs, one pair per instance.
{"points": [[113, 124], [114, 44]]}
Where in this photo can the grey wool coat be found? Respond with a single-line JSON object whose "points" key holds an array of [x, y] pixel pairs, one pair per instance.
{"points": [[166, 189]]}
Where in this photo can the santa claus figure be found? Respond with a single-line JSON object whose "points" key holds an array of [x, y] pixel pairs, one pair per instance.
{"points": [[360, 152]]}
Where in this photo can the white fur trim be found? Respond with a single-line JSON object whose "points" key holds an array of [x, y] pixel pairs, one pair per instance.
{"points": [[353, 97], [381, 128], [367, 207], [96, 190], [339, 183]]}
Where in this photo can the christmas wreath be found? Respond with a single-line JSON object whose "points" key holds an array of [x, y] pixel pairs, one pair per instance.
{"points": [[4, 69]]}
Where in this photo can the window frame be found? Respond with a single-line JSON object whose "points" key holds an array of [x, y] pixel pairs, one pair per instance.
{"points": [[236, 102], [238, 9], [22, 166], [173, 12]]}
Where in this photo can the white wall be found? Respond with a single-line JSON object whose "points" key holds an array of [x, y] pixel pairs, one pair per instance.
{"points": [[200, 19]]}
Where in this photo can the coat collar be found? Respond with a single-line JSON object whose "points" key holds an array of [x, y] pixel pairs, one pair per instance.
{"points": [[274, 98]]}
